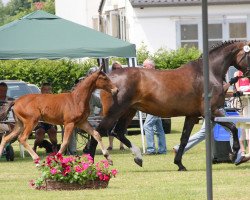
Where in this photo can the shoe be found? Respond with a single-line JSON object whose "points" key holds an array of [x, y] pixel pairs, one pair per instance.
{"points": [[110, 148], [122, 148], [243, 159], [149, 153], [162, 153]]}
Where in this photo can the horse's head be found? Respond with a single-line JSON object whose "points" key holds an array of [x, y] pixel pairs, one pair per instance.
{"points": [[103, 82], [242, 61]]}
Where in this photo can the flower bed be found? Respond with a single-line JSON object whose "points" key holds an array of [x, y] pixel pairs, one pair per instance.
{"points": [[73, 172]]}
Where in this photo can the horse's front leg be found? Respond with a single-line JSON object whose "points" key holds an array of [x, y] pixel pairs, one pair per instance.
{"points": [[187, 129], [236, 144], [91, 131], [121, 129]]}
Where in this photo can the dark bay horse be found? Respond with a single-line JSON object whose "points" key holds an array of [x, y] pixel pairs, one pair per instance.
{"points": [[68, 109], [171, 93]]}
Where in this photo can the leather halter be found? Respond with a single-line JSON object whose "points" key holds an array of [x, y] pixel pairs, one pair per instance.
{"points": [[246, 49]]}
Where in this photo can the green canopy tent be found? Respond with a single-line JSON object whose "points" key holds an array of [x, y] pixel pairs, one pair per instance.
{"points": [[43, 35]]}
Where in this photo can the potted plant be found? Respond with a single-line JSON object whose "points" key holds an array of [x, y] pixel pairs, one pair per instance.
{"points": [[73, 173]]}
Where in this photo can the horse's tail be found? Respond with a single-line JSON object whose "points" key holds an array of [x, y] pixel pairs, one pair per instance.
{"points": [[5, 110]]}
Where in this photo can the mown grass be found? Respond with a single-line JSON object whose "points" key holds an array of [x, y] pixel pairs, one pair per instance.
{"points": [[157, 179]]}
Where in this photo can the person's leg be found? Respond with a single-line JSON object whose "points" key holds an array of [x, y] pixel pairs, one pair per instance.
{"points": [[149, 133], [39, 137], [241, 140], [162, 148], [248, 141], [72, 143], [111, 140], [52, 133], [194, 139], [122, 146]]}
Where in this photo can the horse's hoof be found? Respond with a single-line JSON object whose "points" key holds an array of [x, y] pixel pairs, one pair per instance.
{"points": [[110, 162], [232, 157], [182, 169], [138, 161]]}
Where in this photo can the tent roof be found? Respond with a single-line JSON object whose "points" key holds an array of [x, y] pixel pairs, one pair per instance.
{"points": [[43, 35]]}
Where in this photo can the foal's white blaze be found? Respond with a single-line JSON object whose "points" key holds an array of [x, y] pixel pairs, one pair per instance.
{"points": [[136, 151]]}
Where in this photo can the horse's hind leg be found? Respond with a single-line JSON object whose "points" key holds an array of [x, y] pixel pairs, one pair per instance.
{"points": [[187, 129], [90, 130], [7, 138], [28, 127]]}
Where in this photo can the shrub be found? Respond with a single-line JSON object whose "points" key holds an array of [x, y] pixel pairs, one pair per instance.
{"points": [[173, 59], [60, 73]]}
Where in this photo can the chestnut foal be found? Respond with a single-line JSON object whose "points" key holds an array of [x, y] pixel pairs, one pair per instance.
{"points": [[68, 109]]}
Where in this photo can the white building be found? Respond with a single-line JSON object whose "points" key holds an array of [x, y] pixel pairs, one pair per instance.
{"points": [[161, 23]]}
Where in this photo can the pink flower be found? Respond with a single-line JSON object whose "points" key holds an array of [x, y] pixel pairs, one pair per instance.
{"points": [[67, 160], [37, 160], [66, 171], [53, 171], [78, 169], [59, 156], [88, 156], [106, 164], [48, 160], [85, 166], [114, 172], [100, 175], [106, 177], [32, 183]]}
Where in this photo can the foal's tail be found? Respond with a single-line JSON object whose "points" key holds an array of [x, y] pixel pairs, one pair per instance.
{"points": [[5, 110]]}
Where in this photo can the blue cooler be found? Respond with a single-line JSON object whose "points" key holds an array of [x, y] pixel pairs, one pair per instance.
{"points": [[222, 146], [220, 133]]}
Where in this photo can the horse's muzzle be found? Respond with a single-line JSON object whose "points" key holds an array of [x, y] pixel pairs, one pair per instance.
{"points": [[114, 91]]}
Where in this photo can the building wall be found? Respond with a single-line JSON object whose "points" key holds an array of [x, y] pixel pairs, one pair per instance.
{"points": [[78, 11], [159, 26]]}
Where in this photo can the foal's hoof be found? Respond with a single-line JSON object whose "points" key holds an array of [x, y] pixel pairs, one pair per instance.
{"points": [[138, 161], [110, 162]]}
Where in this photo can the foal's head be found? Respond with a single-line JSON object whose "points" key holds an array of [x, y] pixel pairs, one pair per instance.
{"points": [[242, 59], [103, 82]]}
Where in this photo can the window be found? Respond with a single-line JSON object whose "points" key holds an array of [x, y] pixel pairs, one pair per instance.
{"points": [[116, 24], [214, 34], [189, 35], [237, 31]]}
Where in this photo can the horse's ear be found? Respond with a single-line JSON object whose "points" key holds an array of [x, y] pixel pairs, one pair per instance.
{"points": [[101, 67]]}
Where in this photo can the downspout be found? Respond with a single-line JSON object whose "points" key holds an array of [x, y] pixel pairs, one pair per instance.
{"points": [[100, 9]]}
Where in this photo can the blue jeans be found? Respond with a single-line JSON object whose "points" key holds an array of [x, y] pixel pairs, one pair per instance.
{"points": [[200, 136], [152, 124]]}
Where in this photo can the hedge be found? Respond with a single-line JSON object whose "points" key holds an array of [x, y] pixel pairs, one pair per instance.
{"points": [[63, 73]]}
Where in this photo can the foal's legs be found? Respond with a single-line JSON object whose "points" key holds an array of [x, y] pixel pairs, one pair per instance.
{"points": [[188, 126], [68, 128], [28, 127], [7, 138], [91, 131]]}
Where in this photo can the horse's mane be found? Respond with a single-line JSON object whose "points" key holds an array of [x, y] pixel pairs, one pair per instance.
{"points": [[81, 80], [219, 45]]}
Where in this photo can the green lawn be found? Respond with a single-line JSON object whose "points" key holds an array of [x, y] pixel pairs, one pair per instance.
{"points": [[157, 179]]}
